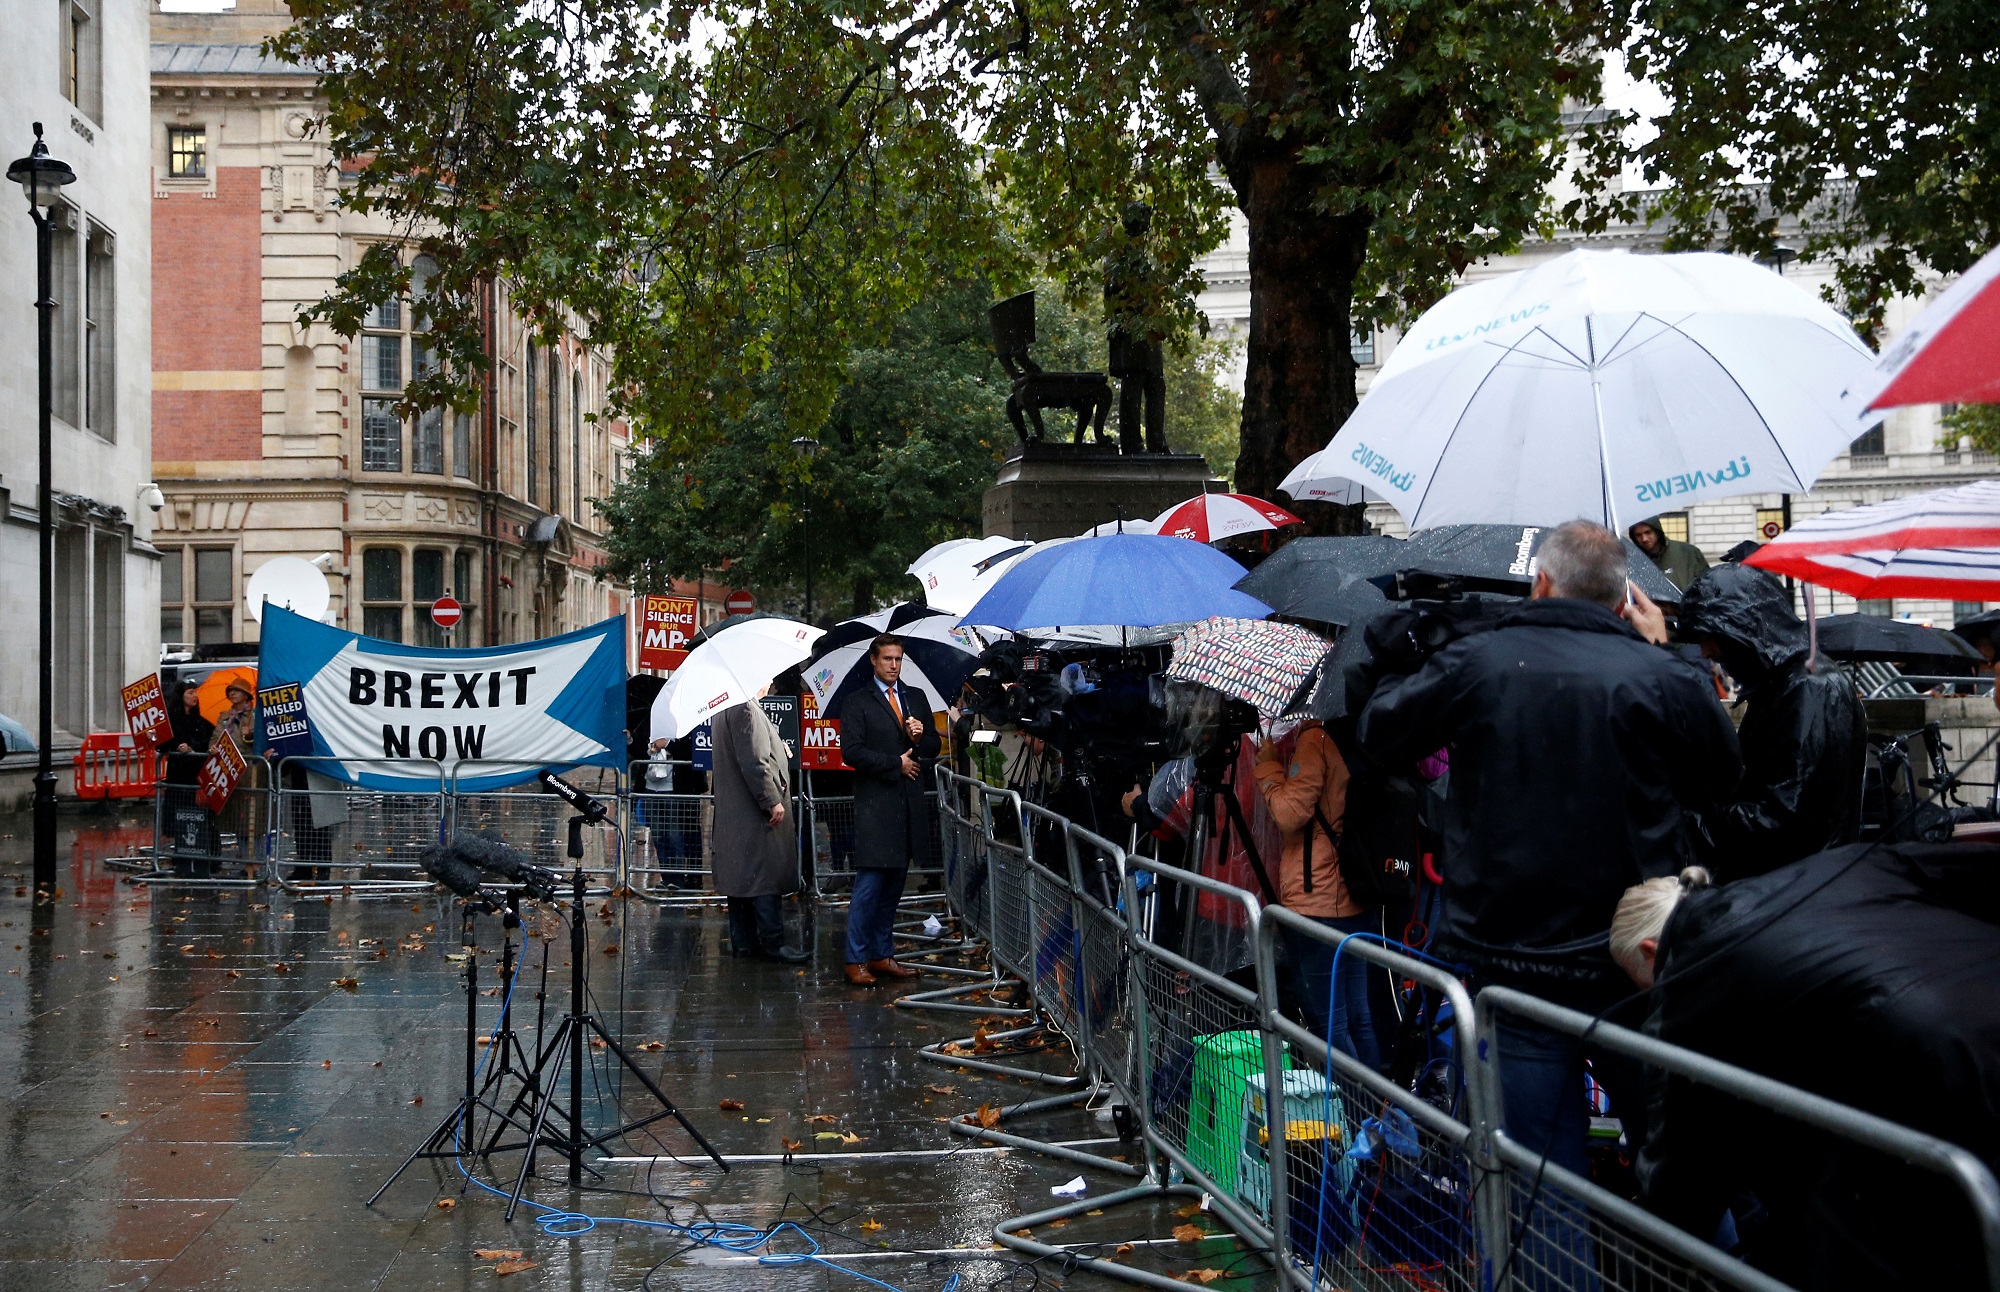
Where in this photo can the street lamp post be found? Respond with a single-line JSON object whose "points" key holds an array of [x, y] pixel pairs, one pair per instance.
{"points": [[41, 178], [806, 447]]}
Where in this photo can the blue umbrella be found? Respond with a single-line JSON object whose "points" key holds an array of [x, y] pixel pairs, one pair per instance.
{"points": [[1123, 580]]}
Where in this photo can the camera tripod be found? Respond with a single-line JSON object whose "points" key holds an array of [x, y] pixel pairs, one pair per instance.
{"points": [[550, 1125], [451, 1137]]}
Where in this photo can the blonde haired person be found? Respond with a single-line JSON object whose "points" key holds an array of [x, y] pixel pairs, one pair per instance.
{"points": [[1641, 918]]}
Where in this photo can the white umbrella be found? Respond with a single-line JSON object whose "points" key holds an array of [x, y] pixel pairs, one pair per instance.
{"points": [[1120, 527], [949, 571], [937, 655], [1603, 385], [727, 670]]}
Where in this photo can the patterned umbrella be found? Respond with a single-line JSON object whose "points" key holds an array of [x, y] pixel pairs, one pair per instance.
{"points": [[1943, 545], [1252, 660]]}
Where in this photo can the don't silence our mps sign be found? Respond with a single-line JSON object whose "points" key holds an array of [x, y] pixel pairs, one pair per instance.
{"points": [[396, 717]]}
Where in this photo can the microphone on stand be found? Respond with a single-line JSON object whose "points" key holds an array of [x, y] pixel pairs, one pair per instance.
{"points": [[593, 810], [496, 857], [448, 865]]}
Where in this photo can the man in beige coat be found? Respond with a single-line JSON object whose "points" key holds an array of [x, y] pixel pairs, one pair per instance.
{"points": [[756, 841]]}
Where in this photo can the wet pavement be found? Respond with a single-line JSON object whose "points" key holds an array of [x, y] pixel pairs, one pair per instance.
{"points": [[202, 1089]]}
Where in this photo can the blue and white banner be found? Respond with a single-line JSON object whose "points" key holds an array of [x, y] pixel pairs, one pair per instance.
{"points": [[485, 718]]}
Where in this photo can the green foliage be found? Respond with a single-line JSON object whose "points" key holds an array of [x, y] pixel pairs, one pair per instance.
{"points": [[1979, 422], [1872, 120], [1204, 412]]}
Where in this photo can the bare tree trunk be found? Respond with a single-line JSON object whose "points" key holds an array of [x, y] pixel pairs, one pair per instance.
{"points": [[1299, 384]]}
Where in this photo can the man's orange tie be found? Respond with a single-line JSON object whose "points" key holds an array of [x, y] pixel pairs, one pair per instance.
{"points": [[898, 708]]}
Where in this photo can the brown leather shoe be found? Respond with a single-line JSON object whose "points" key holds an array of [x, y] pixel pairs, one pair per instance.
{"points": [[859, 976], [890, 969]]}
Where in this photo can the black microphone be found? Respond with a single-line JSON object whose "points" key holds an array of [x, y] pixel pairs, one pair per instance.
{"points": [[495, 856], [449, 867], [592, 809]]}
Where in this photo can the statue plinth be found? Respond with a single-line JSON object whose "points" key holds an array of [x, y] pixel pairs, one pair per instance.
{"points": [[1050, 490]]}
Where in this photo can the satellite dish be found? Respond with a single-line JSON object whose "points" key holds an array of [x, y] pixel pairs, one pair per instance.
{"points": [[288, 581]]}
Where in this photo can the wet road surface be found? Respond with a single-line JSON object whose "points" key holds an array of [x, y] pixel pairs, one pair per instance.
{"points": [[202, 1089]]}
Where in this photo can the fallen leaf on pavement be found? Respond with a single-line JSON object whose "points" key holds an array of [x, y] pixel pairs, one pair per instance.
{"points": [[1024, 1233], [870, 1225], [1206, 1276], [505, 1268], [497, 1254], [446, 1204], [821, 1119], [1189, 1233], [1123, 1249], [791, 1145], [347, 984], [732, 1105], [827, 1135], [1192, 1209], [418, 1100], [987, 1116], [942, 1090], [850, 1138], [654, 1045]]}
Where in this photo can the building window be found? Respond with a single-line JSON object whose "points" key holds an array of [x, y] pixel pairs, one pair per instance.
{"points": [[1869, 444], [1361, 344], [1964, 610], [65, 290], [534, 439], [100, 336], [214, 604], [576, 445], [461, 445], [83, 59], [427, 443], [1770, 523], [1876, 609], [555, 432], [173, 621], [381, 436], [461, 576], [187, 152], [426, 586], [382, 362], [1674, 525], [382, 581]]}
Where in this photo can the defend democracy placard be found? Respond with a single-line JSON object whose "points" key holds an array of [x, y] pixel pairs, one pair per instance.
{"points": [[488, 717]]}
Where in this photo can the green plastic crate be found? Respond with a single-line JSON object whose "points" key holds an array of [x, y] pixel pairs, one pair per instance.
{"points": [[1222, 1061]]}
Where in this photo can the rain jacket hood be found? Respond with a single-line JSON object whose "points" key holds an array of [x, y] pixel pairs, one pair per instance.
{"points": [[1748, 612]]}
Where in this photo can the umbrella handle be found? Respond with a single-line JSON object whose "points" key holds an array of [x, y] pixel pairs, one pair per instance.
{"points": [[1812, 629]]}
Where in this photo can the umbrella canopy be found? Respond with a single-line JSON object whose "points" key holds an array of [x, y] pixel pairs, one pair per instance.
{"points": [[938, 655], [951, 573], [1327, 579], [1982, 627], [1503, 558], [1943, 545], [1946, 354], [1603, 385], [727, 670], [1122, 580], [1866, 637], [1211, 516], [1248, 659], [723, 625], [212, 696], [1120, 527], [14, 737], [1319, 479]]}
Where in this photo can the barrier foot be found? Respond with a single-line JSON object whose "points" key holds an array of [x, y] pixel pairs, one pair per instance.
{"points": [[1049, 1150], [945, 999], [935, 1053], [1066, 1260]]}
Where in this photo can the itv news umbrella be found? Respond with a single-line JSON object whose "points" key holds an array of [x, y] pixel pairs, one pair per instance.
{"points": [[1118, 580], [1602, 385]]}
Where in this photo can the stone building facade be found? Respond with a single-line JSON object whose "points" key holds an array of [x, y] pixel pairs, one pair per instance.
{"points": [[278, 438], [79, 69]]}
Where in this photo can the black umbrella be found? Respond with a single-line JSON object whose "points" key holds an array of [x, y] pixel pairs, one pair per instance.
{"points": [[1327, 579], [1868, 637], [1984, 627], [1501, 558]]}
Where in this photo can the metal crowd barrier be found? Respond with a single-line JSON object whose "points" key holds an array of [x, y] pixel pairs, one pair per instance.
{"points": [[196, 848], [349, 838], [669, 853], [537, 822], [1334, 1174], [830, 836]]}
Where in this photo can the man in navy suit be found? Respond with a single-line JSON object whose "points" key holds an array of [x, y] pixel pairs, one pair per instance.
{"points": [[887, 737]]}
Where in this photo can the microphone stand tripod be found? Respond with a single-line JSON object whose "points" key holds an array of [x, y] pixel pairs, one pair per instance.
{"points": [[566, 1049], [452, 1136]]}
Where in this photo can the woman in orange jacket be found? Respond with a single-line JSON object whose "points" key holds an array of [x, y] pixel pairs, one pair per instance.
{"points": [[1304, 782]]}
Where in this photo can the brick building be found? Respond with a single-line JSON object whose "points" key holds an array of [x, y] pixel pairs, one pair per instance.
{"points": [[273, 438]]}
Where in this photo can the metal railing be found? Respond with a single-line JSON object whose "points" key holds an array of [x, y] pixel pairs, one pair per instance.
{"points": [[334, 837]]}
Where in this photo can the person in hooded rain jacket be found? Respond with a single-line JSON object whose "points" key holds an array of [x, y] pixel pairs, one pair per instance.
{"points": [[1682, 563], [1863, 975], [1804, 734]]}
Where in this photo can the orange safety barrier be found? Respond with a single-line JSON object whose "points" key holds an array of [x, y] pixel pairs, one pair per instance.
{"points": [[115, 767]]}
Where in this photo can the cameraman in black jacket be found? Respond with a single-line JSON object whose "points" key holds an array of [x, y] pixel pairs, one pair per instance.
{"points": [[1576, 746]]}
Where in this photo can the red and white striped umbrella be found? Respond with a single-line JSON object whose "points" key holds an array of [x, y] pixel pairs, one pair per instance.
{"points": [[1949, 354], [1221, 515], [1943, 545]]}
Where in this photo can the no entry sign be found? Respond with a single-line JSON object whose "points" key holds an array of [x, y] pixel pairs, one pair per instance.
{"points": [[446, 612], [740, 603]]}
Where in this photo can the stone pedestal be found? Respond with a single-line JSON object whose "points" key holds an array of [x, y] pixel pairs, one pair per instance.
{"points": [[1059, 490]]}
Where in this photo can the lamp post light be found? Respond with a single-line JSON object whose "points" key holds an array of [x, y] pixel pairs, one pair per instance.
{"points": [[41, 178], [806, 447]]}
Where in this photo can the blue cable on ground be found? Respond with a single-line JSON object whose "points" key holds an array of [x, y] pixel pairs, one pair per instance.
{"points": [[728, 1236]]}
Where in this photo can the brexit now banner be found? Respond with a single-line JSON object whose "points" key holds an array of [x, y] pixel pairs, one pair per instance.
{"points": [[489, 717]]}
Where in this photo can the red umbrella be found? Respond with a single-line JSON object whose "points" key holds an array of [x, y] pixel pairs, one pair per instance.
{"points": [[1221, 515], [1949, 354], [1943, 545]]}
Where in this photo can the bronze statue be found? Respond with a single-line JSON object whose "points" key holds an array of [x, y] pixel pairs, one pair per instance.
{"points": [[1088, 394], [1137, 360]]}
